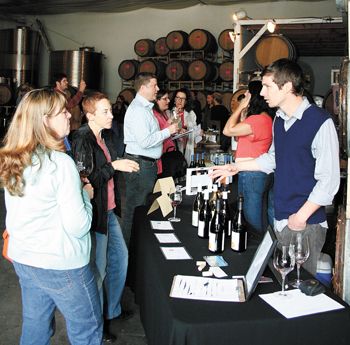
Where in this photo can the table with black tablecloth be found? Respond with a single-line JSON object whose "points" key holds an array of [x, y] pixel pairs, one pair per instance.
{"points": [[173, 321]]}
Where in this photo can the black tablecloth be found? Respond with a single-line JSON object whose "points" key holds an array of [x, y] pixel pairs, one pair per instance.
{"points": [[176, 321]]}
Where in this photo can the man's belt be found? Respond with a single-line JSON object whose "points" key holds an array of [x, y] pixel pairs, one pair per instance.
{"points": [[149, 159]]}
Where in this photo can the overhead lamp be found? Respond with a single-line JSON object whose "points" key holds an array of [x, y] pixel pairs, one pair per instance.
{"points": [[233, 36], [271, 25], [241, 14]]}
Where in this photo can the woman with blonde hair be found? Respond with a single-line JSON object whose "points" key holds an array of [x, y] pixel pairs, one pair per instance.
{"points": [[48, 221]]}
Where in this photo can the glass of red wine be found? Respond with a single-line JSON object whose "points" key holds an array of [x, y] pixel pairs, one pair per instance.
{"points": [[176, 199], [84, 163]]}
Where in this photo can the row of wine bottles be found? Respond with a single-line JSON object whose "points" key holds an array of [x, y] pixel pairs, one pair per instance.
{"points": [[211, 215], [198, 161]]}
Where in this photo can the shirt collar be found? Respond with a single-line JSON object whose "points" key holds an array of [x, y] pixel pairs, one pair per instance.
{"points": [[298, 114], [145, 102]]}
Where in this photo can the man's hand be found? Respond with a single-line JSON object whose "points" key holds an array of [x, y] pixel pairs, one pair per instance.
{"points": [[126, 165], [222, 171], [90, 190], [82, 86], [296, 223]]}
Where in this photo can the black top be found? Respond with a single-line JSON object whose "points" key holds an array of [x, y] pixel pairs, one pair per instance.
{"points": [[103, 171]]}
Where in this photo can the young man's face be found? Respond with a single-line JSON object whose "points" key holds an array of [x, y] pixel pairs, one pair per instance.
{"points": [[62, 85], [274, 96]]}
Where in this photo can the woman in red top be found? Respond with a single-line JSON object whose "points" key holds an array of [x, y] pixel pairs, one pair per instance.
{"points": [[161, 105], [251, 124]]}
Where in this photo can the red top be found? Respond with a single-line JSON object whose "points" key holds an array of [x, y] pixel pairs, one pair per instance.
{"points": [[110, 185], [163, 123], [253, 145]]}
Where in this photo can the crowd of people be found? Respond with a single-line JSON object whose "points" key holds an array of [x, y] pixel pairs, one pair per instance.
{"points": [[67, 241]]}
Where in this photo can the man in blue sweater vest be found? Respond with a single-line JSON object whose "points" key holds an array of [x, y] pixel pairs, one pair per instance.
{"points": [[304, 155]]}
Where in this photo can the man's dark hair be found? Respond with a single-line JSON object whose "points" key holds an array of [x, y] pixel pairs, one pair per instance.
{"points": [[59, 76], [143, 78], [284, 71]]}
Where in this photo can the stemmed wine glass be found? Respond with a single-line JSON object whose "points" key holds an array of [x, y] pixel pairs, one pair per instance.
{"points": [[175, 118], [84, 162], [302, 252], [176, 199], [284, 261]]}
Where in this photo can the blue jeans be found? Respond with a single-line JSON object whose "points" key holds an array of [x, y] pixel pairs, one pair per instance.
{"points": [[138, 185], [73, 292], [111, 259], [252, 185]]}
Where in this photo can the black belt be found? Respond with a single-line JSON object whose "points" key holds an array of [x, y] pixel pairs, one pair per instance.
{"points": [[149, 159]]}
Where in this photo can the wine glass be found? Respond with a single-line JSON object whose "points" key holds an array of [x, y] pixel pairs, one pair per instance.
{"points": [[302, 252], [176, 199], [84, 162], [175, 118], [284, 261]]}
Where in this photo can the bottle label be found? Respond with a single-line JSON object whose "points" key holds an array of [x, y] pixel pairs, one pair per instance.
{"points": [[201, 228], [195, 218], [235, 237], [213, 244], [229, 228]]}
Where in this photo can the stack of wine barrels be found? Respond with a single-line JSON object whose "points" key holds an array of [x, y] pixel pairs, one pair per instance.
{"points": [[192, 58]]}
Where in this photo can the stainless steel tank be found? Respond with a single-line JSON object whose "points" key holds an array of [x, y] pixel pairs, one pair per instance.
{"points": [[19, 55], [84, 63]]}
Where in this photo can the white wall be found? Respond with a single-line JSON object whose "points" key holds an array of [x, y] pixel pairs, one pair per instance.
{"points": [[115, 33]]}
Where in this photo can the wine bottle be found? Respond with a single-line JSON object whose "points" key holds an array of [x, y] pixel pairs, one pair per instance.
{"points": [[202, 162], [239, 229], [225, 214], [217, 231], [197, 205], [213, 197], [197, 160], [192, 164], [204, 217]]}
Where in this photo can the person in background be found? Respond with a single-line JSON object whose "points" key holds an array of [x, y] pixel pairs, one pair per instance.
{"points": [[207, 110], [181, 106], [196, 106], [119, 110], [62, 85], [110, 252], [304, 155], [220, 115], [160, 108], [22, 90], [251, 124], [48, 220], [144, 144]]}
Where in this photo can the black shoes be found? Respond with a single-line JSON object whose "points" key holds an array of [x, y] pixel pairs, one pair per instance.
{"points": [[125, 315], [108, 338]]}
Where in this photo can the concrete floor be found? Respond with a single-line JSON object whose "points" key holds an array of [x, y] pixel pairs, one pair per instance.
{"points": [[129, 332]]}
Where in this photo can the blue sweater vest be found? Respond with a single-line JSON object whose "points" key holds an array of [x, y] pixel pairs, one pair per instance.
{"points": [[295, 165]]}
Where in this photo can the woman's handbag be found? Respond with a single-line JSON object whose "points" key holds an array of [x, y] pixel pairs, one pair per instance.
{"points": [[174, 164]]}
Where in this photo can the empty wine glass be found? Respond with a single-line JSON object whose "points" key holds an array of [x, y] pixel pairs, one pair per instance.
{"points": [[284, 261], [176, 199], [302, 252], [84, 162]]}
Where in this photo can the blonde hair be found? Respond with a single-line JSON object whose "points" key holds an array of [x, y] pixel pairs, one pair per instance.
{"points": [[27, 133]]}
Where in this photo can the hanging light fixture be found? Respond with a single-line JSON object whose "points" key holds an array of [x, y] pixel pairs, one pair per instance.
{"points": [[241, 14], [271, 25]]}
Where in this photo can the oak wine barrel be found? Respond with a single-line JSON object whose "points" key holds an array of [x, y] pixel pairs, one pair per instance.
{"points": [[128, 69], [160, 47], [177, 70], [200, 39], [273, 47], [6, 94], [128, 94], [177, 40], [203, 70], [144, 47], [226, 71], [225, 41], [153, 66]]}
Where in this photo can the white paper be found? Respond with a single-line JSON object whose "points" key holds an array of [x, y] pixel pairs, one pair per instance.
{"points": [[218, 272], [167, 238], [175, 253], [161, 225], [297, 303], [209, 289]]}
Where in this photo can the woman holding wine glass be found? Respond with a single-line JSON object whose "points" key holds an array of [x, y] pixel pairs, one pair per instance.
{"points": [[110, 253], [182, 113], [48, 220]]}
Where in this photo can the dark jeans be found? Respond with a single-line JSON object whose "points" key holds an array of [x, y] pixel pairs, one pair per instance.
{"points": [[137, 186], [253, 186]]}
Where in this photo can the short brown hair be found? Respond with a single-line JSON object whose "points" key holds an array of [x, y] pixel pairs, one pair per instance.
{"points": [[89, 102], [143, 78]]}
